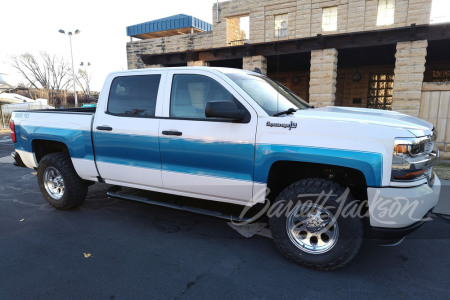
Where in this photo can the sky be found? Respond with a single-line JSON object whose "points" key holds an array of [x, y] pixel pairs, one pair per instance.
{"points": [[32, 26]]}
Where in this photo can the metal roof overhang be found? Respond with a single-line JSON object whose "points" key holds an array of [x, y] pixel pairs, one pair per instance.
{"points": [[339, 41], [178, 24]]}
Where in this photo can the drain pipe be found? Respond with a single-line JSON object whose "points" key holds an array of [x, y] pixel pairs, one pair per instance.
{"points": [[217, 7]]}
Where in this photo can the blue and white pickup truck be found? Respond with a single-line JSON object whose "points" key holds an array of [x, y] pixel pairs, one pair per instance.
{"points": [[325, 177]]}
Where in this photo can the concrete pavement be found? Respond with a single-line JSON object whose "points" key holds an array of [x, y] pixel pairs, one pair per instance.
{"points": [[111, 249]]}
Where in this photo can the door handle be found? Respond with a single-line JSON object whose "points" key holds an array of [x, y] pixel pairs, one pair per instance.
{"points": [[172, 132], [104, 127]]}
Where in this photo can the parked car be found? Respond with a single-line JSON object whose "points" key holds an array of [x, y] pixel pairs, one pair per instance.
{"points": [[237, 137]]}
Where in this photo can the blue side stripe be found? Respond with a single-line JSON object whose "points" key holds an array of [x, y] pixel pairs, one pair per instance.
{"points": [[124, 149], [78, 141], [217, 159], [369, 163]]}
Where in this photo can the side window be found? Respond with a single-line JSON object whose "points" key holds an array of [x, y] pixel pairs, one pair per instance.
{"points": [[190, 93], [134, 96]]}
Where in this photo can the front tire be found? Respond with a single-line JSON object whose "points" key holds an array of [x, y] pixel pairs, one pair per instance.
{"points": [[311, 231], [59, 182]]}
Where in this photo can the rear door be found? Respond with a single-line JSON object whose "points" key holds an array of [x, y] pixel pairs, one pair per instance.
{"points": [[204, 157], [126, 130]]}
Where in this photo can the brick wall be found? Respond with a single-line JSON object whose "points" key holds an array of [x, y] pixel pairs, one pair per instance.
{"points": [[305, 16], [177, 43], [304, 20]]}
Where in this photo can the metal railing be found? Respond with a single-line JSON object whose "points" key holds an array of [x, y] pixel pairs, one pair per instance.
{"points": [[238, 42]]}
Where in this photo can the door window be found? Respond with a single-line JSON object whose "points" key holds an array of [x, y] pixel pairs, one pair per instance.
{"points": [[134, 96], [191, 92]]}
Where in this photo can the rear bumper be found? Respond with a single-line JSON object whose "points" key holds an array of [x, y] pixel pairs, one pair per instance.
{"points": [[18, 160]]}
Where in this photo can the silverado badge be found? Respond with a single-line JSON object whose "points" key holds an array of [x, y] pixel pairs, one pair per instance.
{"points": [[284, 125]]}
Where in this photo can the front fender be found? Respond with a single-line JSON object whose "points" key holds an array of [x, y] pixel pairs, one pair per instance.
{"points": [[369, 163]]}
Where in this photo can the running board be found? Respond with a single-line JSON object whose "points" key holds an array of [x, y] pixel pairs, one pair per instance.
{"points": [[114, 192]]}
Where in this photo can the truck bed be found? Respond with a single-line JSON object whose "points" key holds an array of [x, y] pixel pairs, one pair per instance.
{"points": [[70, 128]]}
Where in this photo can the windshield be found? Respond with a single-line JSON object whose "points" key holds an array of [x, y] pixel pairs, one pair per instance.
{"points": [[270, 95]]}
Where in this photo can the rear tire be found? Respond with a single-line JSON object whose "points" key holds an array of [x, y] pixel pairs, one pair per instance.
{"points": [[313, 233], [59, 182]]}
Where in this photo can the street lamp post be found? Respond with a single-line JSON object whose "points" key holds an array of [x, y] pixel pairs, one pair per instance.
{"points": [[71, 55]]}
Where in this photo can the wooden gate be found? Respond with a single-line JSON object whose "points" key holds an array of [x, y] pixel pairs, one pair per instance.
{"points": [[435, 108]]}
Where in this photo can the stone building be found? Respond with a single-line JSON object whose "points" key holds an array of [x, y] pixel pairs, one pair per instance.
{"points": [[385, 54]]}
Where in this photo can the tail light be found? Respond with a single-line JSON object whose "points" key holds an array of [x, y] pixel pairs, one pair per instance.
{"points": [[13, 131]]}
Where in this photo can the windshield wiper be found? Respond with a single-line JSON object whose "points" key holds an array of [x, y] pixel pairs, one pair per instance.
{"points": [[290, 111]]}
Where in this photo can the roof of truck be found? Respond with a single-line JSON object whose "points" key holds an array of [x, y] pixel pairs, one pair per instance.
{"points": [[214, 69]]}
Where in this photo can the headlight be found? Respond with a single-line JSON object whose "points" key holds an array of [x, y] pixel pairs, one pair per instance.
{"points": [[412, 159], [412, 147]]}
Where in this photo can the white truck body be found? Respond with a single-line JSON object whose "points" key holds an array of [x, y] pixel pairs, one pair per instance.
{"points": [[227, 161]]}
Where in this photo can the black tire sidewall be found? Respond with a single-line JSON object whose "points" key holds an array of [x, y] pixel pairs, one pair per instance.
{"points": [[75, 189], [350, 228]]}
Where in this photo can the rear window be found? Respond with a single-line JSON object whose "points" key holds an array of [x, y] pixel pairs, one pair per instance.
{"points": [[134, 96]]}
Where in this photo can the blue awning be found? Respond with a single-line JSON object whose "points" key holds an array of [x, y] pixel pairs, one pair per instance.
{"points": [[169, 23]]}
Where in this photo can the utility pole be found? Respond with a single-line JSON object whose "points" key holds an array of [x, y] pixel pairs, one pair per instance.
{"points": [[73, 69]]}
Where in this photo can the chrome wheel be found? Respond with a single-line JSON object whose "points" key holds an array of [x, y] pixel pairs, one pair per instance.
{"points": [[312, 228], [54, 183]]}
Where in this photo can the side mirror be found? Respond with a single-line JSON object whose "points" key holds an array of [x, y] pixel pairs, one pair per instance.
{"points": [[224, 109]]}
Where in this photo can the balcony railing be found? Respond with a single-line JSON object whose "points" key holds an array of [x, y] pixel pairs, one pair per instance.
{"points": [[238, 42]]}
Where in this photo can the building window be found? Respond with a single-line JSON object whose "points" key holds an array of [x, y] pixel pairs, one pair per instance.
{"points": [[441, 75], [329, 19], [238, 30], [281, 25], [386, 11], [381, 86], [440, 11]]}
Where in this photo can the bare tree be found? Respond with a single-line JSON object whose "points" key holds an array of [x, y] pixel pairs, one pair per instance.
{"points": [[46, 71], [83, 79], [33, 71], [59, 71]]}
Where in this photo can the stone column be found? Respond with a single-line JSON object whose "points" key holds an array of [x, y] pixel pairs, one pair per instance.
{"points": [[322, 85], [409, 69], [198, 63], [252, 62], [154, 66]]}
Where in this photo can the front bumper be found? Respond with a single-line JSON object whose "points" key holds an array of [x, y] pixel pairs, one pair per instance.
{"points": [[391, 236], [396, 212]]}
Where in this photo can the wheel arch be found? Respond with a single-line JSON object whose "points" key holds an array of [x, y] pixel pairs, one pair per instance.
{"points": [[282, 173], [43, 147]]}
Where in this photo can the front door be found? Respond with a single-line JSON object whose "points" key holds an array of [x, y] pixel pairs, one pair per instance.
{"points": [[209, 158]]}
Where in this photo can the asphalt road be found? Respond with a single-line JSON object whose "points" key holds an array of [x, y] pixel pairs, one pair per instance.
{"points": [[112, 249]]}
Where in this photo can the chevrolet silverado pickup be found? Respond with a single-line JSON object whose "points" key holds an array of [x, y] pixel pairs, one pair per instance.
{"points": [[325, 177]]}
